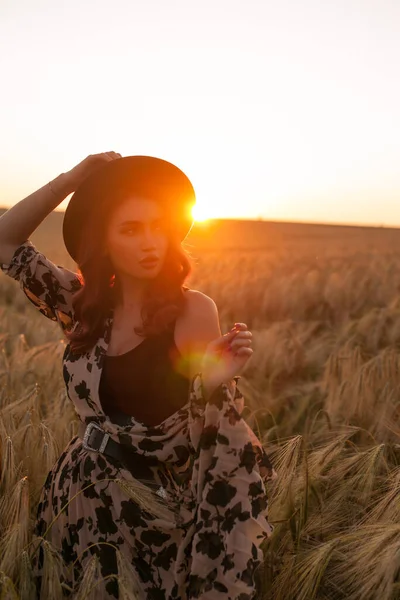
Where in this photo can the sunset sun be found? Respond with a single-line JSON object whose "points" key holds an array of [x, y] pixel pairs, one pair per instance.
{"points": [[200, 213]]}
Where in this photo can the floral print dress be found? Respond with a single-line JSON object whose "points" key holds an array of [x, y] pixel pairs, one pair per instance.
{"points": [[203, 541]]}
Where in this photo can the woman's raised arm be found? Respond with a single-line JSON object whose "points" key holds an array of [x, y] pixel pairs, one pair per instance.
{"points": [[48, 286], [21, 220]]}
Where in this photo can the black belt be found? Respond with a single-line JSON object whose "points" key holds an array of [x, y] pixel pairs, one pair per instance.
{"points": [[97, 440]]}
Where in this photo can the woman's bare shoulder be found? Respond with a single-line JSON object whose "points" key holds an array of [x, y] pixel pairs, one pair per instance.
{"points": [[199, 302], [196, 327], [199, 322]]}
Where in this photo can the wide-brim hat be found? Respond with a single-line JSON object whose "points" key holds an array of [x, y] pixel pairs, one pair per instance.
{"points": [[142, 175]]}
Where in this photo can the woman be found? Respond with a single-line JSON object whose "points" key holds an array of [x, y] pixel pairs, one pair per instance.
{"points": [[163, 489]]}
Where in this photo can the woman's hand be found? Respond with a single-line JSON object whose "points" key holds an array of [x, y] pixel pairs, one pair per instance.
{"points": [[86, 167], [226, 357]]}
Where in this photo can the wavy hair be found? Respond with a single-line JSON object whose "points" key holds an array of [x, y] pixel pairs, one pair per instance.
{"points": [[163, 298]]}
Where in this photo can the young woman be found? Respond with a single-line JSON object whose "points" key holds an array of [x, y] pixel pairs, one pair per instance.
{"points": [[164, 486]]}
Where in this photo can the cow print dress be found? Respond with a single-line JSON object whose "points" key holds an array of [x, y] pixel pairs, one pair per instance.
{"points": [[200, 537]]}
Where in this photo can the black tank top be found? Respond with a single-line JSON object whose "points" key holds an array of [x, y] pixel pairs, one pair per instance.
{"points": [[144, 382]]}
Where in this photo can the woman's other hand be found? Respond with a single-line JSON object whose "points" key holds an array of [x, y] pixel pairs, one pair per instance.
{"points": [[226, 357], [86, 167]]}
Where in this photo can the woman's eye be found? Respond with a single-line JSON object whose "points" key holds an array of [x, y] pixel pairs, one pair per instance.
{"points": [[156, 226]]}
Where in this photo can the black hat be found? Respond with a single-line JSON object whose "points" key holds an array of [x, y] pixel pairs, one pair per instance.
{"points": [[154, 177]]}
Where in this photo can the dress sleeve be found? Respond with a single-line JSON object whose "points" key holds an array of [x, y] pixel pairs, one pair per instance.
{"points": [[229, 500], [49, 287]]}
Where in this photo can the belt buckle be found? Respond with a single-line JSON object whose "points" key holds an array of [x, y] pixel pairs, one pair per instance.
{"points": [[92, 425], [161, 492]]}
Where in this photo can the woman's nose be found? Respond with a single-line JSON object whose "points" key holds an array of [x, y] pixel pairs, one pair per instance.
{"points": [[148, 239]]}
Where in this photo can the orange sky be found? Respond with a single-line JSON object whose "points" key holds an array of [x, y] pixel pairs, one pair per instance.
{"points": [[286, 110]]}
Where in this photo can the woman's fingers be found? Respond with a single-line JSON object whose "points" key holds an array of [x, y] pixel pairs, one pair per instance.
{"points": [[241, 343], [232, 339], [242, 340], [113, 155], [240, 326], [243, 334], [107, 156], [244, 351], [242, 337]]}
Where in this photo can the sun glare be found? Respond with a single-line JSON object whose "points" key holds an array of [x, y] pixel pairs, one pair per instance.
{"points": [[200, 213]]}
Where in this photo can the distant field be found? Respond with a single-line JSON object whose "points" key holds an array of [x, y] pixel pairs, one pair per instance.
{"points": [[239, 235], [322, 391]]}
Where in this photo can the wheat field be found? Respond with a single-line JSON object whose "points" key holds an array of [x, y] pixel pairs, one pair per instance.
{"points": [[322, 391]]}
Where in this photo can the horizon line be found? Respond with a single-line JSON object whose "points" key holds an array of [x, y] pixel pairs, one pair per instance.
{"points": [[262, 219]]}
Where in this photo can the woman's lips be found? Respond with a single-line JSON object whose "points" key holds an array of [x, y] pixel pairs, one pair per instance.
{"points": [[148, 264]]}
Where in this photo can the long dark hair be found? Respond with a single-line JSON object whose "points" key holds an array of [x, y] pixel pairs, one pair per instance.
{"points": [[101, 289]]}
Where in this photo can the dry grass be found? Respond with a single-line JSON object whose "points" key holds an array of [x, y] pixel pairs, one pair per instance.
{"points": [[322, 391]]}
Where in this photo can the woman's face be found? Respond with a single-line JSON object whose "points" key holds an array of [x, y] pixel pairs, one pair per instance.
{"points": [[136, 230]]}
